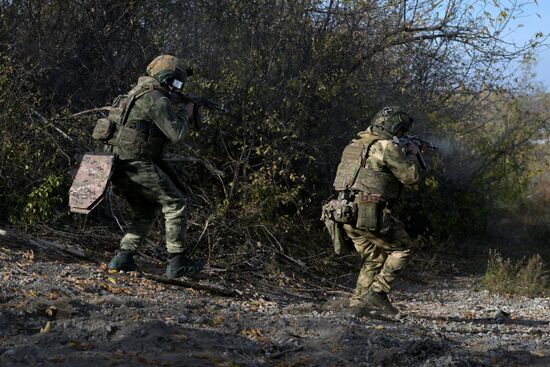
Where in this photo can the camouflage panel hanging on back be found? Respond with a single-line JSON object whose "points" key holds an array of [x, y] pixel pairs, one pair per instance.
{"points": [[352, 160], [90, 182]]}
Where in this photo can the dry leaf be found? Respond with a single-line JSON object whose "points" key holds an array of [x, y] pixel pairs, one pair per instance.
{"points": [[31, 293], [216, 321], [112, 280], [51, 311], [29, 255], [46, 328], [53, 295], [252, 333]]}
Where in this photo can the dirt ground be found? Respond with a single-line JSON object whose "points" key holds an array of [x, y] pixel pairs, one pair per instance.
{"points": [[60, 311]]}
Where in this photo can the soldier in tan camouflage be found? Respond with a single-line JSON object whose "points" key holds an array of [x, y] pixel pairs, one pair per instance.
{"points": [[372, 171], [143, 122]]}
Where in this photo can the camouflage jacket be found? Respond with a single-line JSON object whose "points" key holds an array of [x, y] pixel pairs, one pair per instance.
{"points": [[375, 164], [151, 123]]}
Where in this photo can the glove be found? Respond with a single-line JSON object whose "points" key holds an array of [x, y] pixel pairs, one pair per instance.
{"points": [[411, 149]]}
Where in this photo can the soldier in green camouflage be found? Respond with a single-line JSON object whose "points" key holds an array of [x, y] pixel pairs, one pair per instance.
{"points": [[371, 174], [140, 125]]}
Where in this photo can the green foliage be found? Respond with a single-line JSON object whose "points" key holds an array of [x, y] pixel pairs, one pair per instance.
{"points": [[300, 79], [42, 200], [521, 277]]}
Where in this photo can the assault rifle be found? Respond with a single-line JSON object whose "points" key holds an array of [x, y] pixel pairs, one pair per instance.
{"points": [[423, 147], [198, 102]]}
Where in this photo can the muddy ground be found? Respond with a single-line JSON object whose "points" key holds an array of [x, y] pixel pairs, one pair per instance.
{"points": [[56, 310]]}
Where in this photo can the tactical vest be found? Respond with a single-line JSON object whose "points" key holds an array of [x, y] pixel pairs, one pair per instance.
{"points": [[355, 174], [129, 139]]}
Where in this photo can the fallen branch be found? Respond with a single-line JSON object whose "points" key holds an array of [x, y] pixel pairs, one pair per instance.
{"points": [[306, 270], [99, 109], [25, 240], [190, 284]]}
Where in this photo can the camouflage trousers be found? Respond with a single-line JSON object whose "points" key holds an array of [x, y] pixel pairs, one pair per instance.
{"points": [[150, 191], [384, 255]]}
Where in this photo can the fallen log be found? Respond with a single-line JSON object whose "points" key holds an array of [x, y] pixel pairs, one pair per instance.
{"points": [[10, 238]]}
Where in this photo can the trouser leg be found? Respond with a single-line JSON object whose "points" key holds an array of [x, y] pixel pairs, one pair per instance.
{"points": [[146, 186], [174, 208], [372, 264], [395, 262], [175, 224], [385, 256], [144, 216]]}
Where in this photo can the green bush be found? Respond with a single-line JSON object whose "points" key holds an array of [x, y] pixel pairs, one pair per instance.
{"points": [[43, 199]]}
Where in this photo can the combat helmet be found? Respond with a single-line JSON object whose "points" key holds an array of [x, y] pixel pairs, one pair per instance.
{"points": [[167, 68], [391, 120]]}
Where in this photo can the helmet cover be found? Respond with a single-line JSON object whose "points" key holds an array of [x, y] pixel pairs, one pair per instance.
{"points": [[166, 67]]}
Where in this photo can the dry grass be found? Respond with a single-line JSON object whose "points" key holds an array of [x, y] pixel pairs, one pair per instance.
{"points": [[524, 277]]}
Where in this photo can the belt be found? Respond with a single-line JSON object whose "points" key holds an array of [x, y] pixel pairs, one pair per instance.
{"points": [[369, 198]]}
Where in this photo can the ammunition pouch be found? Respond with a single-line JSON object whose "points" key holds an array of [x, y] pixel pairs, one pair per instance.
{"points": [[104, 129], [335, 214], [341, 211], [370, 212]]}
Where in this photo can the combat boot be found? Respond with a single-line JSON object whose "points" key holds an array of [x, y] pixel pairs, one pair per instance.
{"points": [[180, 265], [379, 301], [358, 310], [123, 260]]}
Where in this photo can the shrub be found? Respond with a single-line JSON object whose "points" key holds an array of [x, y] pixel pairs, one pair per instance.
{"points": [[521, 277]]}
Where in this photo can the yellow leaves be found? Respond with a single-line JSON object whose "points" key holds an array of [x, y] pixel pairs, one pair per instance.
{"points": [[112, 280], [53, 295], [379, 327], [46, 328], [116, 290], [29, 255], [252, 333], [51, 311], [31, 293]]}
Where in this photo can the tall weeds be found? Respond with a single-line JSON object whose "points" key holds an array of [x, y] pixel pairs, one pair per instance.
{"points": [[524, 277]]}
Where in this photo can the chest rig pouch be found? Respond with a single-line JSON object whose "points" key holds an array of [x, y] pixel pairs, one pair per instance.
{"points": [[105, 127], [129, 139]]}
